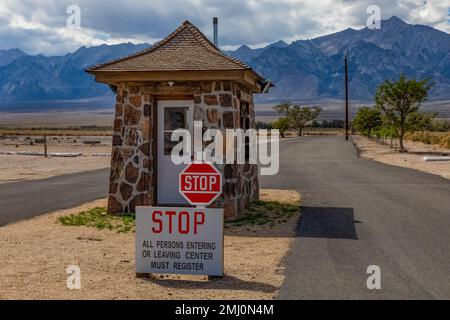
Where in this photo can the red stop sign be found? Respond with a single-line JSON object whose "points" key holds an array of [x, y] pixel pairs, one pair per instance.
{"points": [[200, 183]]}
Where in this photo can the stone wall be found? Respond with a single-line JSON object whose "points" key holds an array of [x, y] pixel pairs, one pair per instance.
{"points": [[131, 178], [218, 104], [219, 107]]}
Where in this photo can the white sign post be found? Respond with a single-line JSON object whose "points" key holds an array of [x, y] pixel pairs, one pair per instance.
{"points": [[179, 241]]}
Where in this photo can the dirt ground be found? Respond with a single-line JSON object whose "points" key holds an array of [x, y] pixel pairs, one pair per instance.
{"points": [[412, 159], [14, 167], [36, 253], [58, 118]]}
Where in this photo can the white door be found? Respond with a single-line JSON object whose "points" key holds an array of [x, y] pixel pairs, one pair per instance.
{"points": [[172, 115]]}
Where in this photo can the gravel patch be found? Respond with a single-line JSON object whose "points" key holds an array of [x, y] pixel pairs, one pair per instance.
{"points": [[36, 253]]}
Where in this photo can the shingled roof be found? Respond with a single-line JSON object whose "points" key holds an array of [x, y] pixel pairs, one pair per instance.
{"points": [[186, 49]]}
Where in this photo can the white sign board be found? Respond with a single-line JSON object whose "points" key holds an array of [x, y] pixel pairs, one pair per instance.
{"points": [[179, 240]]}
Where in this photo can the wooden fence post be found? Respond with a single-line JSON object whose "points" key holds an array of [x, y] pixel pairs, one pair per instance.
{"points": [[45, 146]]}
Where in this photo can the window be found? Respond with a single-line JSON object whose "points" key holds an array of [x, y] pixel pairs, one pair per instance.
{"points": [[174, 118]]}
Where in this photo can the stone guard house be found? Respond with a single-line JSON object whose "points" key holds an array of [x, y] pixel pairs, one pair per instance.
{"points": [[181, 79]]}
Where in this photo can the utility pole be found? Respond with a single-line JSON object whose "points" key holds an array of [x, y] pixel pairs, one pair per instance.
{"points": [[346, 97]]}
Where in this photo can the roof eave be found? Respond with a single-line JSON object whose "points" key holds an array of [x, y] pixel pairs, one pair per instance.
{"points": [[246, 77]]}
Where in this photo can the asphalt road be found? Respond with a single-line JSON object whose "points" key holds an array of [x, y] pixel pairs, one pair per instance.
{"points": [[358, 213], [26, 199]]}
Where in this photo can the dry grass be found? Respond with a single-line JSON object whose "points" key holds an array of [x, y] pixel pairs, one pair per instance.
{"points": [[70, 131], [316, 132], [442, 139]]}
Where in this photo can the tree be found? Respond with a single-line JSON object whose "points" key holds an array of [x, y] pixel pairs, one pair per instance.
{"points": [[283, 107], [367, 119], [420, 121], [400, 102], [282, 124], [298, 116]]}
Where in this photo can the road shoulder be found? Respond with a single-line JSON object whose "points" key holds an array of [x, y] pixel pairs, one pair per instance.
{"points": [[413, 159]]}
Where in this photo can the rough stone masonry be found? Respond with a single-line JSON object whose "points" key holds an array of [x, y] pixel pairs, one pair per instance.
{"points": [[219, 104]]}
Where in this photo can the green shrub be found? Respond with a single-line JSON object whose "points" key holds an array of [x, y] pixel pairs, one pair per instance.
{"points": [[281, 124], [385, 131], [100, 219], [265, 213]]}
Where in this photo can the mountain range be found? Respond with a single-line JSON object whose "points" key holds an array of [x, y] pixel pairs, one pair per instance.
{"points": [[303, 70], [29, 78]]}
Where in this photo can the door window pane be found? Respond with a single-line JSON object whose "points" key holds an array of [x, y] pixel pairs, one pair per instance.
{"points": [[175, 118]]}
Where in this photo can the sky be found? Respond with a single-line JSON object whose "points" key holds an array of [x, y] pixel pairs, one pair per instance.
{"points": [[50, 27]]}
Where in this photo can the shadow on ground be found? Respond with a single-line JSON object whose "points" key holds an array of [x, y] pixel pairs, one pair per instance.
{"points": [[225, 283], [427, 153], [285, 231], [314, 222], [322, 222]]}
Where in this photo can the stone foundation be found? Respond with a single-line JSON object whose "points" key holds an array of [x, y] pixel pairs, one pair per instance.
{"points": [[220, 105]]}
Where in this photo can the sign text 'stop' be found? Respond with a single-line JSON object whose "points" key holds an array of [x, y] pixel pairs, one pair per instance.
{"points": [[200, 183]]}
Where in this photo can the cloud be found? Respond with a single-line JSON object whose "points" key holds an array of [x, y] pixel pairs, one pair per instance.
{"points": [[39, 26]]}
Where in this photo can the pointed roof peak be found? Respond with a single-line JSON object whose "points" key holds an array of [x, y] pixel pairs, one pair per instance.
{"points": [[185, 49], [187, 22]]}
